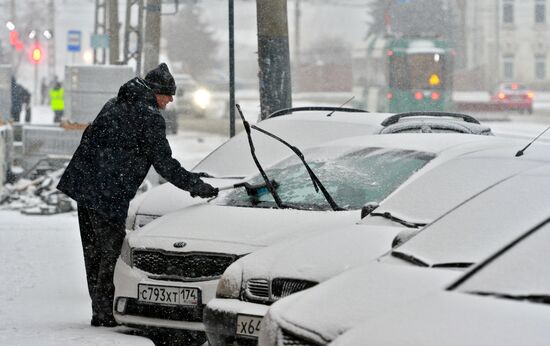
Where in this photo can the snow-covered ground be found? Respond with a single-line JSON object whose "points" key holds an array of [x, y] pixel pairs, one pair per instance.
{"points": [[43, 294]]}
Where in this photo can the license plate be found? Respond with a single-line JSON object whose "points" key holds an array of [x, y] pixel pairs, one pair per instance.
{"points": [[189, 296], [248, 325]]}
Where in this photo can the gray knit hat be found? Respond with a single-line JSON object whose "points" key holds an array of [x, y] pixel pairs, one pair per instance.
{"points": [[160, 80]]}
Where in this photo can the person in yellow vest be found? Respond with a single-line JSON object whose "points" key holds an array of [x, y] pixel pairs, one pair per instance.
{"points": [[56, 101]]}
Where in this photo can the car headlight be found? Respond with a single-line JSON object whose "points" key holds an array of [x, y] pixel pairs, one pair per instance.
{"points": [[142, 220], [201, 98], [126, 252], [230, 283]]}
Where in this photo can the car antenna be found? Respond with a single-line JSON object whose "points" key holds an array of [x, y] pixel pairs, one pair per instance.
{"points": [[268, 183], [520, 153], [314, 179], [342, 105]]}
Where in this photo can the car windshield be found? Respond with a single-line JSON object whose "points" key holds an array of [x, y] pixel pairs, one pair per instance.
{"points": [[353, 178], [521, 272]]}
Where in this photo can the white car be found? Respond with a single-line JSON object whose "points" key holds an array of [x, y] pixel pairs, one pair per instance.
{"points": [[419, 267], [502, 301], [183, 254], [302, 127], [252, 283]]}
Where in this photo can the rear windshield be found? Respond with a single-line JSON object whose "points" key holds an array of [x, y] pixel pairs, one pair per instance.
{"points": [[352, 177]]}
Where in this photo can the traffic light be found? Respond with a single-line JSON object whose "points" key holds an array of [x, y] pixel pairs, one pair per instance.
{"points": [[36, 54]]}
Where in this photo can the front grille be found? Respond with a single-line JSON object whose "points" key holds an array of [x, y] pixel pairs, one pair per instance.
{"points": [[266, 292], [288, 339], [174, 313], [281, 288], [190, 265], [257, 289]]}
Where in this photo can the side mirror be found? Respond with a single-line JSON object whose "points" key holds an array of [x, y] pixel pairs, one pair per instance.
{"points": [[368, 208], [403, 236]]}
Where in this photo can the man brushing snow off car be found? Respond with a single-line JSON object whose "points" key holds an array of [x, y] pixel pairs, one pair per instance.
{"points": [[114, 156]]}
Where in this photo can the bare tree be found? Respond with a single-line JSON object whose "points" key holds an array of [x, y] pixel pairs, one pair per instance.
{"points": [[191, 41]]}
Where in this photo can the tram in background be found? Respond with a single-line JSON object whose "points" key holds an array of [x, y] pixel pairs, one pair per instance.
{"points": [[409, 74]]}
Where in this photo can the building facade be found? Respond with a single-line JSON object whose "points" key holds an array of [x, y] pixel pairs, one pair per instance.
{"points": [[505, 40]]}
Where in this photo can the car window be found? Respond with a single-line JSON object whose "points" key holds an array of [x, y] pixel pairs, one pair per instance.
{"points": [[522, 272], [353, 178], [233, 159]]}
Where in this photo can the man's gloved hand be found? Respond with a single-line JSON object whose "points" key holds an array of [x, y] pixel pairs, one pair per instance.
{"points": [[203, 190]]}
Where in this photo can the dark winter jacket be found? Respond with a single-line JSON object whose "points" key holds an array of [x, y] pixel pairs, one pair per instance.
{"points": [[117, 150]]}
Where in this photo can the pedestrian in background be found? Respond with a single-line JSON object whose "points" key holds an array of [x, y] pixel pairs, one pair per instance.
{"points": [[20, 97], [57, 103], [112, 160], [43, 91]]}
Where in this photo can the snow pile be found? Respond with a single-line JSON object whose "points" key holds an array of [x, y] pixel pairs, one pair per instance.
{"points": [[35, 193]]}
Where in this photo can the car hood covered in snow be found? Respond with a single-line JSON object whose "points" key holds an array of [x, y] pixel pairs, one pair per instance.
{"points": [[453, 319], [374, 289], [208, 227], [321, 256]]}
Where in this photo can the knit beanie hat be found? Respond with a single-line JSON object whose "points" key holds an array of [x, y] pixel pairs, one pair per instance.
{"points": [[160, 80]]}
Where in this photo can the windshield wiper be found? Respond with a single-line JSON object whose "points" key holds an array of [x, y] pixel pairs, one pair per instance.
{"points": [[389, 216], [534, 298], [268, 183], [409, 258], [314, 179]]}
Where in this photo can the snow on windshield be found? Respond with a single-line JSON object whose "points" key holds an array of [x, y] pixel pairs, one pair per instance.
{"points": [[353, 177]]}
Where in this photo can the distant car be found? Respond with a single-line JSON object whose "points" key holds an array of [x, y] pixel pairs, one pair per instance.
{"points": [[191, 99], [502, 301], [169, 269], [513, 96], [252, 283], [418, 267], [232, 162]]}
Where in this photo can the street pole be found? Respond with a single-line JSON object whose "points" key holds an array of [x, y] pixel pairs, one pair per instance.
{"points": [[273, 56], [51, 40], [112, 16], [231, 70], [151, 46]]}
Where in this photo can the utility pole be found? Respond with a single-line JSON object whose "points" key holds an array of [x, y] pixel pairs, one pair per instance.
{"points": [[296, 55], [14, 20], [133, 36], [100, 28], [113, 28], [231, 12], [51, 40], [273, 56], [152, 35]]}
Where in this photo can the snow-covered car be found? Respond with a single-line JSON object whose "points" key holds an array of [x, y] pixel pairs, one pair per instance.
{"points": [[182, 254], [415, 269], [513, 96], [501, 301], [231, 162], [302, 126], [251, 284]]}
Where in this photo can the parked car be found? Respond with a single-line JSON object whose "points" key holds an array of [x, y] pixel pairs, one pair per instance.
{"points": [[501, 301], [514, 96], [231, 162], [251, 284], [185, 252], [417, 268]]}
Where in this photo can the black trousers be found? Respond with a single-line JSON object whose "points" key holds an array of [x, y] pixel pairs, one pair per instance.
{"points": [[101, 242]]}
